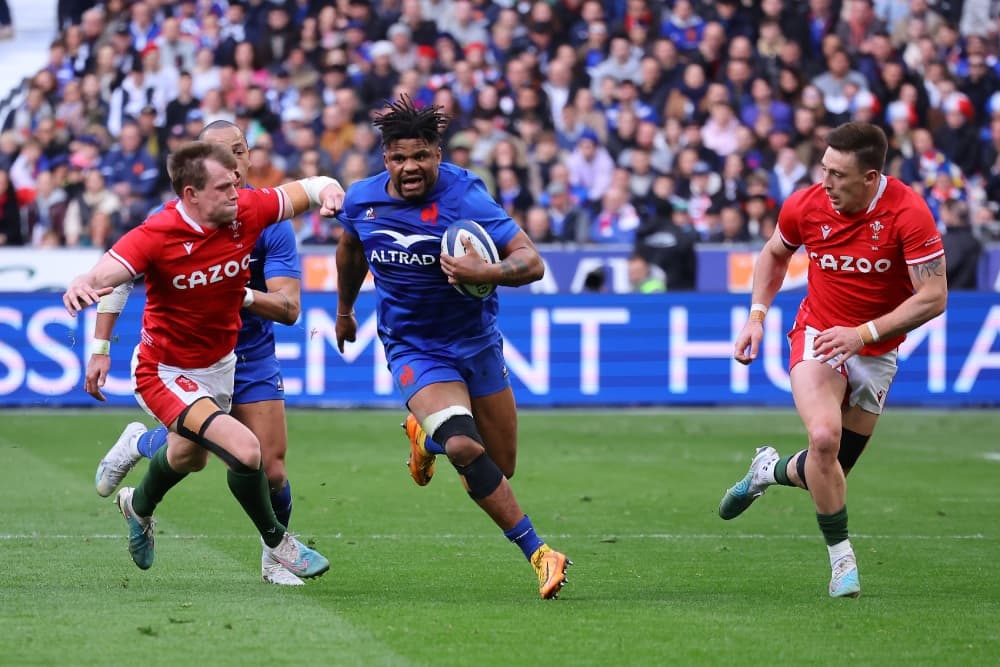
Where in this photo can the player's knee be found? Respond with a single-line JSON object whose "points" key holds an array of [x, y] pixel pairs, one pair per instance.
{"points": [[455, 429], [240, 453], [824, 443], [481, 477]]}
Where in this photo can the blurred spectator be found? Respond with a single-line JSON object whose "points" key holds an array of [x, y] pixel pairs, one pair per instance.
{"points": [[833, 83], [537, 225], [132, 174], [512, 195], [617, 220], [10, 213], [732, 227], [590, 166], [682, 26], [959, 138], [621, 63], [787, 172], [46, 212], [263, 173], [568, 221], [645, 278], [961, 247]]}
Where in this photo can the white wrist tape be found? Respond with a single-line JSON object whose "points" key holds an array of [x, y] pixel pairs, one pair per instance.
{"points": [[873, 331], [247, 297], [115, 301], [758, 308], [99, 346], [314, 186]]}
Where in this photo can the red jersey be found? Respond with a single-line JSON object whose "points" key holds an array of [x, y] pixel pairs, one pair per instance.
{"points": [[195, 277], [858, 263]]}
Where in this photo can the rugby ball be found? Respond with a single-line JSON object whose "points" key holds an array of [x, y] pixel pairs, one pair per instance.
{"points": [[451, 244]]}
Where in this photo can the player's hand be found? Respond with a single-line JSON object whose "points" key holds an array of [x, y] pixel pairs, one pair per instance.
{"points": [[469, 268], [333, 200], [748, 342], [97, 374], [838, 344], [346, 329], [80, 294]]}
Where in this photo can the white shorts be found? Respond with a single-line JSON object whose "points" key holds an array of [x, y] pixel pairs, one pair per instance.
{"points": [[868, 377], [166, 391]]}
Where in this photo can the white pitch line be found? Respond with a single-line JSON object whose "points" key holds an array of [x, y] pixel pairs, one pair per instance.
{"points": [[450, 537], [992, 456]]}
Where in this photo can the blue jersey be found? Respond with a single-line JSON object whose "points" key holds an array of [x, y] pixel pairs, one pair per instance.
{"points": [[402, 243], [274, 256]]}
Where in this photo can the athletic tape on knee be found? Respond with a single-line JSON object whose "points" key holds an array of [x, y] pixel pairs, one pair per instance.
{"points": [[202, 413], [459, 422], [433, 421], [481, 477], [852, 444], [800, 467]]}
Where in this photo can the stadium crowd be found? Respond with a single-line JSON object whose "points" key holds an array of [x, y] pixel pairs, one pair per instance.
{"points": [[654, 124]]}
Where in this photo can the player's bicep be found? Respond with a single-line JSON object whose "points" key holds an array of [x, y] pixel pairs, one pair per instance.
{"points": [[929, 276], [521, 242]]}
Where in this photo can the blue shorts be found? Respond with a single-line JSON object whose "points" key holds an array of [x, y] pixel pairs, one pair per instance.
{"points": [[258, 380], [484, 373]]}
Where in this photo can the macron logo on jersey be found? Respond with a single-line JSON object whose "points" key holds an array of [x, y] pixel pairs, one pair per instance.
{"points": [[826, 229], [188, 246]]}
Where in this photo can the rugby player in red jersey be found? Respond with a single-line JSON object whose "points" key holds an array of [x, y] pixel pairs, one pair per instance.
{"points": [[876, 272], [195, 255]]}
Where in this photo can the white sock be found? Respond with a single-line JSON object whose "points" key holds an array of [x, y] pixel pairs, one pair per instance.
{"points": [[839, 550]]}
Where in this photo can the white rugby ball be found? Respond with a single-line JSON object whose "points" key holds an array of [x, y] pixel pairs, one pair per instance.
{"points": [[451, 244]]}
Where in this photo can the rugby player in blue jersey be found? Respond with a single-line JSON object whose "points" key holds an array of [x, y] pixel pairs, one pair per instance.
{"points": [[272, 295], [444, 349]]}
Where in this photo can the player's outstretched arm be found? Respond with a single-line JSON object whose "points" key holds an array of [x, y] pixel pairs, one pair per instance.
{"points": [[108, 309], [87, 288], [768, 274], [352, 267], [306, 194]]}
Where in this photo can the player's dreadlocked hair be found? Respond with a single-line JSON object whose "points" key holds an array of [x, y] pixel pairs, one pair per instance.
{"points": [[402, 120]]}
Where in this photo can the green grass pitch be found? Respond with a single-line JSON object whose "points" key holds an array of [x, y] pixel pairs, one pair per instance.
{"points": [[420, 576]]}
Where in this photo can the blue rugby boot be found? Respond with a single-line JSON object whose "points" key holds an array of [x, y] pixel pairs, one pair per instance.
{"points": [[140, 530], [739, 497], [297, 558], [844, 582]]}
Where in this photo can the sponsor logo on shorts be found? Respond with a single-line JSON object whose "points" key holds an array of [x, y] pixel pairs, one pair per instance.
{"points": [[186, 383], [406, 376]]}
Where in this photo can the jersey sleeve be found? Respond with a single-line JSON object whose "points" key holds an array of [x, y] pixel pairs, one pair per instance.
{"points": [[281, 258], [262, 207], [479, 205], [920, 236], [136, 249], [789, 219]]}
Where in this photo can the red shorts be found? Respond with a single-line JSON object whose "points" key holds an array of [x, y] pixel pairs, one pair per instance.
{"points": [[166, 391], [868, 377]]}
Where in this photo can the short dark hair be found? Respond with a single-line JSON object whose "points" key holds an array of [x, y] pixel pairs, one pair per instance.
{"points": [[867, 141], [402, 120], [187, 165]]}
